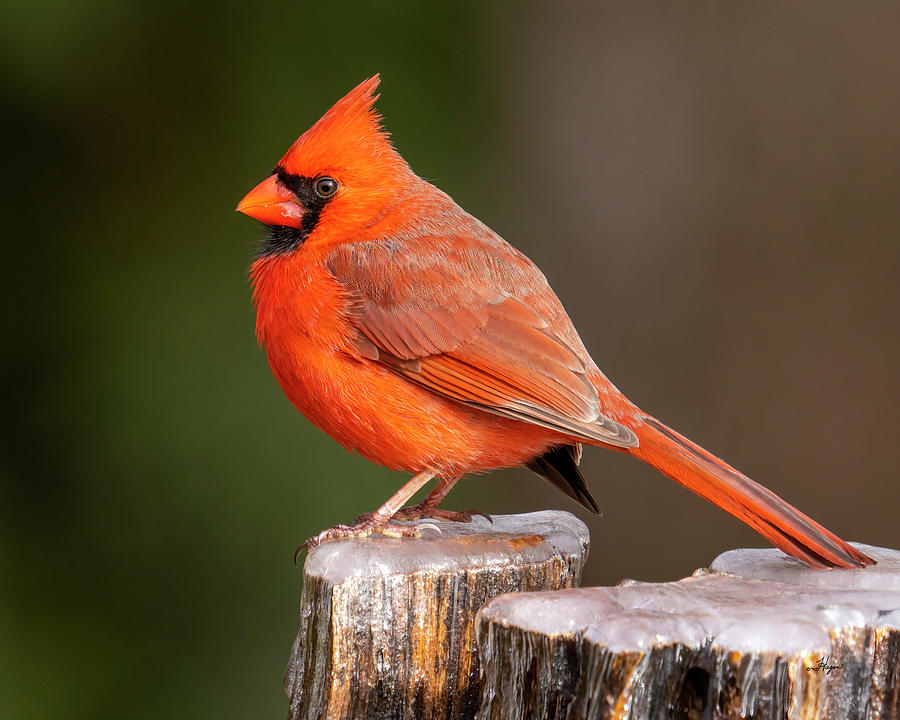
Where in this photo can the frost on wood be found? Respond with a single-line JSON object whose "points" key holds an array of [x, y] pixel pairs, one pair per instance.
{"points": [[772, 564], [388, 624], [777, 641]]}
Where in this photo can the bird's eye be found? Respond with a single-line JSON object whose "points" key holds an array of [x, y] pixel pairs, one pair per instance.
{"points": [[325, 187]]}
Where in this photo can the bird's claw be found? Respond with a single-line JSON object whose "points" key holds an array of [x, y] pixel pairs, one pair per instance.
{"points": [[419, 512], [365, 525]]}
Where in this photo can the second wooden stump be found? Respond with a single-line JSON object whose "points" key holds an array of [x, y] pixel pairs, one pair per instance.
{"points": [[765, 638]]}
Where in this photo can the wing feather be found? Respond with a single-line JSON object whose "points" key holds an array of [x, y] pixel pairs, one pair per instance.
{"points": [[458, 316]]}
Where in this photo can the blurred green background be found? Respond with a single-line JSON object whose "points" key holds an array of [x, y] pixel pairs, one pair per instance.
{"points": [[726, 177]]}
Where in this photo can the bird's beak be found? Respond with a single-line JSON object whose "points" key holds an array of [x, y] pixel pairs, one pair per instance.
{"points": [[272, 204]]}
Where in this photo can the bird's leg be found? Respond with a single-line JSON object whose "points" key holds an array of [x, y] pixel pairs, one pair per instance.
{"points": [[428, 508], [378, 521]]}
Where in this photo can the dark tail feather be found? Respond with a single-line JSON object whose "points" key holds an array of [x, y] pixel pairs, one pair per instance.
{"points": [[709, 477], [559, 466]]}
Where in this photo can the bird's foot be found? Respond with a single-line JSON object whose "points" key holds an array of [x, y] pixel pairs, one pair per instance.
{"points": [[363, 526], [417, 512]]}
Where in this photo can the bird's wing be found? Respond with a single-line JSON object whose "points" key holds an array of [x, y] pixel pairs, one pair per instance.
{"points": [[474, 321]]}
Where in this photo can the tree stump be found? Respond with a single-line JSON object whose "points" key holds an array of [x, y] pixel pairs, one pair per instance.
{"points": [[773, 640], [388, 624]]}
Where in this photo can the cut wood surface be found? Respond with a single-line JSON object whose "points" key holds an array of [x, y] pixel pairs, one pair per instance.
{"points": [[764, 637], [388, 624]]}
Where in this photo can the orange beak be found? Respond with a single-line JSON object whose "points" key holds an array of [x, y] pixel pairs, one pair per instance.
{"points": [[272, 204]]}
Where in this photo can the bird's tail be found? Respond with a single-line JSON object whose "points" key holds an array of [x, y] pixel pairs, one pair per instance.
{"points": [[709, 477]]}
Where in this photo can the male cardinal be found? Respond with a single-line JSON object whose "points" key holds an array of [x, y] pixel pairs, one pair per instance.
{"points": [[412, 333]]}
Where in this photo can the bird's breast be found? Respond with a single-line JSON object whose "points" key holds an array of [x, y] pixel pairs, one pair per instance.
{"points": [[303, 323]]}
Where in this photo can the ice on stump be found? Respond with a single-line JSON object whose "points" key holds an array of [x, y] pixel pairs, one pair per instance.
{"points": [[482, 543], [743, 643], [734, 612], [772, 564]]}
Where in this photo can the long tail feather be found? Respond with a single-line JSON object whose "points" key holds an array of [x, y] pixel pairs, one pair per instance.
{"points": [[711, 478]]}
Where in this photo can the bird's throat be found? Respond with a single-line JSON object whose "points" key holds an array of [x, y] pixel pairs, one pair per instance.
{"points": [[281, 239]]}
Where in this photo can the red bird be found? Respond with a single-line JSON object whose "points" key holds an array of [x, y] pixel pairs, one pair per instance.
{"points": [[415, 335]]}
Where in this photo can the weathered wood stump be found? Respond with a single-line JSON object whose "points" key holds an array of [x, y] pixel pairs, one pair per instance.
{"points": [[388, 624], [773, 640]]}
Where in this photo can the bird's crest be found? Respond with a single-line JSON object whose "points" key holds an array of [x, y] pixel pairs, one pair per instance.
{"points": [[349, 136]]}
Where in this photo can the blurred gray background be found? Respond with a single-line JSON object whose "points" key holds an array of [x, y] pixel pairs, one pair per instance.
{"points": [[724, 176]]}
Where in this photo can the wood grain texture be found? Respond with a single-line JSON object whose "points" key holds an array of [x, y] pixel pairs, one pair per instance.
{"points": [[388, 625]]}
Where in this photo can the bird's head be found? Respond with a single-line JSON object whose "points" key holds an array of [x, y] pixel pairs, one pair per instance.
{"points": [[337, 177]]}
